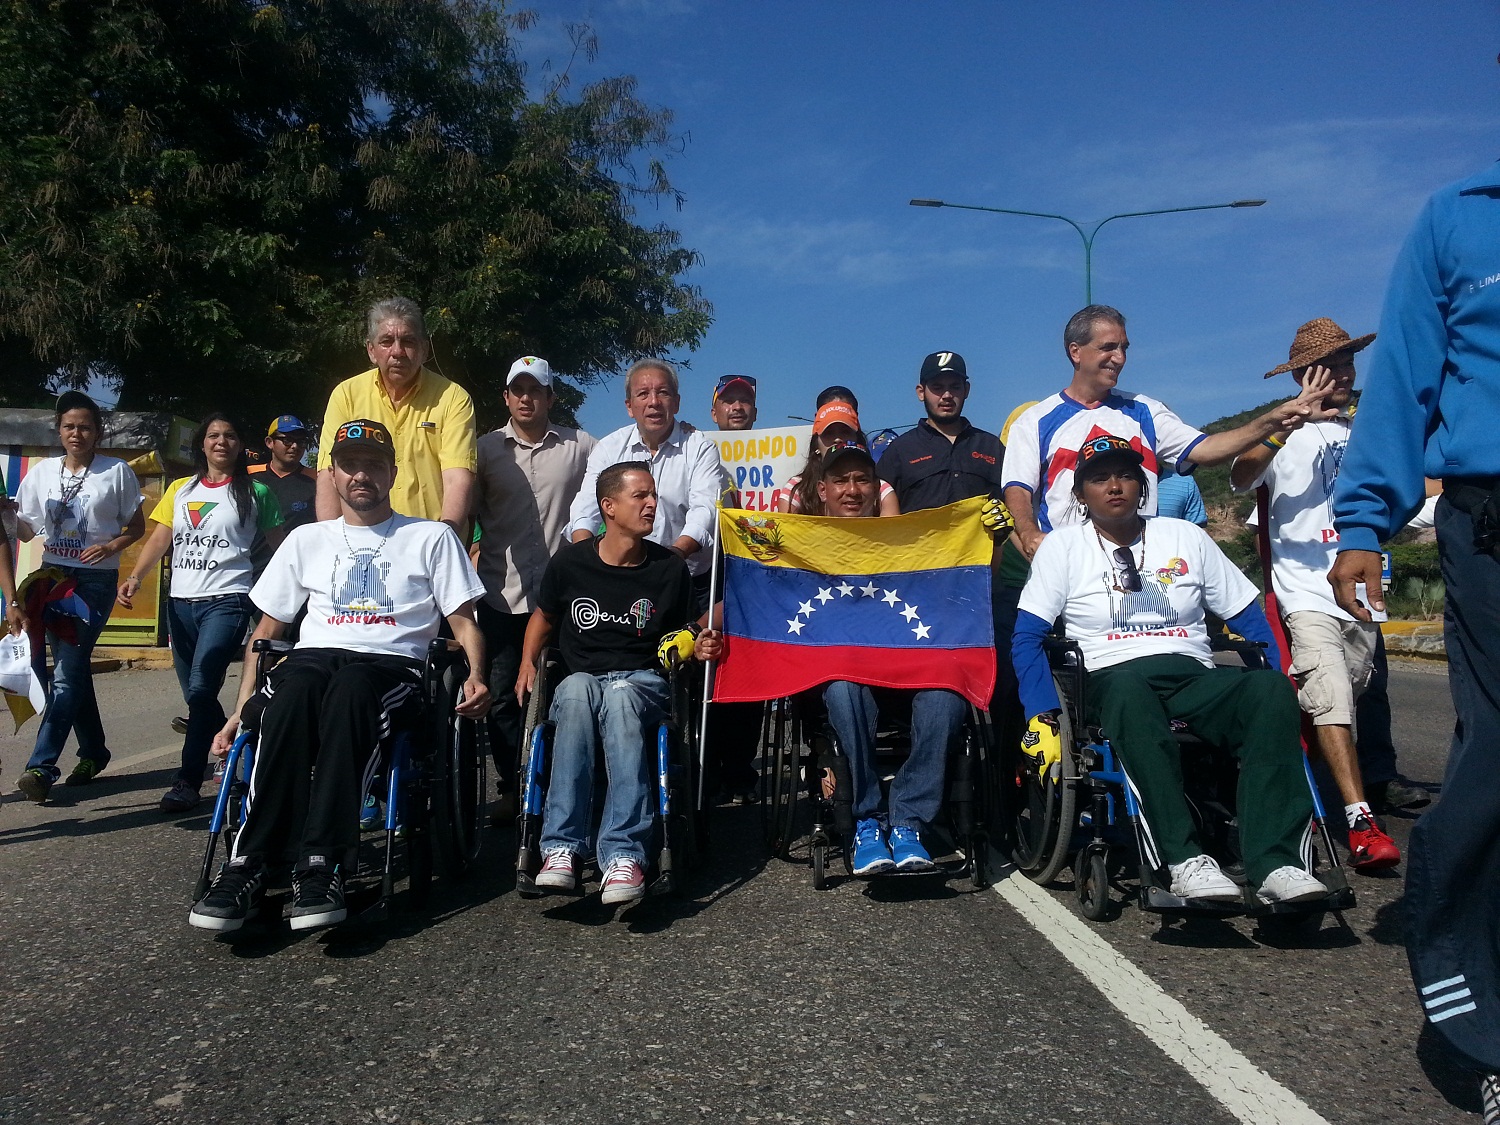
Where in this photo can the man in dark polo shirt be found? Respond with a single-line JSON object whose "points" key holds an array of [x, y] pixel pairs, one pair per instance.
{"points": [[294, 484], [944, 459]]}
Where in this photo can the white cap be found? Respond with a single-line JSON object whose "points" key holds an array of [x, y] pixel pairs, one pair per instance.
{"points": [[538, 368]]}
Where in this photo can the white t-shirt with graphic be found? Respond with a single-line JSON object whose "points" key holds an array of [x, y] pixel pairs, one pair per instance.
{"points": [[210, 542], [1303, 542], [1077, 581], [1042, 447], [383, 590], [75, 511]]}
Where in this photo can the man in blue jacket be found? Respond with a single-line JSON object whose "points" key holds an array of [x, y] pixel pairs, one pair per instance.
{"points": [[1433, 408]]}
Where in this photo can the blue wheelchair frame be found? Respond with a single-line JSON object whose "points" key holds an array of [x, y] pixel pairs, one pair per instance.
{"points": [[417, 785], [1105, 781]]}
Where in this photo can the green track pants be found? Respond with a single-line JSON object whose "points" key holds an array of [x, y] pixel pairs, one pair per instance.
{"points": [[1253, 714]]}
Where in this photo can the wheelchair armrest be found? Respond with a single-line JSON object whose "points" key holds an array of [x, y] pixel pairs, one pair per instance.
{"points": [[1253, 653], [1055, 646], [266, 644]]}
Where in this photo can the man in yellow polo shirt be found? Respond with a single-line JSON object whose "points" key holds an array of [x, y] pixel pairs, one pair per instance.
{"points": [[430, 418]]}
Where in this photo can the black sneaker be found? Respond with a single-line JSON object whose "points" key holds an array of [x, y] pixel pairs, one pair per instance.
{"points": [[234, 896], [180, 798], [317, 894], [35, 784], [1398, 794], [86, 770]]}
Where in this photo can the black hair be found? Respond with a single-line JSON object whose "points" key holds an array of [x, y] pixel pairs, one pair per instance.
{"points": [[612, 479], [239, 474], [77, 400], [837, 393], [1136, 473]]}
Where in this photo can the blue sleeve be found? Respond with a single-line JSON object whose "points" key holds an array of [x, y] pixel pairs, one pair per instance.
{"points": [[1194, 511], [1251, 624], [1380, 481], [1033, 673]]}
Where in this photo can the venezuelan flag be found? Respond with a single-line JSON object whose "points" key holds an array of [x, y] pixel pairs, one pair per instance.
{"points": [[893, 601]]}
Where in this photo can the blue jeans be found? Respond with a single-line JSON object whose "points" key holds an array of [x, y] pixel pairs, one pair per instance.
{"points": [[71, 705], [917, 792], [207, 634], [621, 710]]}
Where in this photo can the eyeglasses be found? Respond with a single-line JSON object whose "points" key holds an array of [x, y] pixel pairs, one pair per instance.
{"points": [[291, 438], [725, 380], [1130, 577]]}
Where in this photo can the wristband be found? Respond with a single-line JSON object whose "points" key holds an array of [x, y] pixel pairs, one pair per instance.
{"points": [[1274, 442]]}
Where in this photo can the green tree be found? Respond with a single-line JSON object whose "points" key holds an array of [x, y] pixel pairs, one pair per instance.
{"points": [[197, 199]]}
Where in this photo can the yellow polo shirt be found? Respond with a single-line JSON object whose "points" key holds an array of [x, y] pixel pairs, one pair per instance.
{"points": [[432, 427]]}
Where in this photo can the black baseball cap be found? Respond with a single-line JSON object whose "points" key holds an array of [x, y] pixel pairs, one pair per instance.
{"points": [[849, 449], [361, 433], [943, 363], [1107, 447]]}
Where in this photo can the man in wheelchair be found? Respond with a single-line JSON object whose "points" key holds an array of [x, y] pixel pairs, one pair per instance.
{"points": [[850, 488], [612, 602], [1132, 593], [377, 586]]}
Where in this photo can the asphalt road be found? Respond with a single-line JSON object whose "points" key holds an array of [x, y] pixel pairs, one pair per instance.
{"points": [[756, 1000]]}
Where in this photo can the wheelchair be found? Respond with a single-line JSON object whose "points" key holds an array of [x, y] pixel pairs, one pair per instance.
{"points": [[678, 756], [806, 775], [1085, 808], [433, 773]]}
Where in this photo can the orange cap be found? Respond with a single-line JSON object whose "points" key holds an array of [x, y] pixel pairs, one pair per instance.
{"points": [[831, 412]]}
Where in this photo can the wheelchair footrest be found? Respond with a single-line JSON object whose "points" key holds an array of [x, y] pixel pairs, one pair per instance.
{"points": [[1338, 899], [1160, 901]]}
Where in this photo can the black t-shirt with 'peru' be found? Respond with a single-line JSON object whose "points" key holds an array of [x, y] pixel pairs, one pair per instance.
{"points": [[611, 618]]}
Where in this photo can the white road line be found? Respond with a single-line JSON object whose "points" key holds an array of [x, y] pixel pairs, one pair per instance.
{"points": [[1246, 1091], [117, 764]]}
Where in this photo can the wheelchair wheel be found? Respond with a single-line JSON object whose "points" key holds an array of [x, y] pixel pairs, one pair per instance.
{"points": [[458, 780], [820, 867], [783, 778], [1091, 883], [1046, 808], [418, 853]]}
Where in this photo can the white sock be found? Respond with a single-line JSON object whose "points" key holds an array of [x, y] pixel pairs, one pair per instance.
{"points": [[1355, 811]]}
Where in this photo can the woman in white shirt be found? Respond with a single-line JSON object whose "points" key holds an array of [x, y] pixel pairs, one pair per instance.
{"points": [[208, 521], [1132, 593], [87, 509]]}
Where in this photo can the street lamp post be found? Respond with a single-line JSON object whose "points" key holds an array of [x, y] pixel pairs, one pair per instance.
{"points": [[1088, 234]]}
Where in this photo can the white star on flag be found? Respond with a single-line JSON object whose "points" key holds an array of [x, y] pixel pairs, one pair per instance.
{"points": [[921, 631], [845, 589], [869, 591], [805, 607], [824, 594], [795, 626], [908, 611], [891, 597]]}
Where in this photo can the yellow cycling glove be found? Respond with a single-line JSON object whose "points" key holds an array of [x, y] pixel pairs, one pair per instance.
{"points": [[1041, 742], [995, 517], [675, 648]]}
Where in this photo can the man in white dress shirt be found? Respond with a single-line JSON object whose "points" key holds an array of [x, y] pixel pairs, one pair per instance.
{"points": [[685, 465]]}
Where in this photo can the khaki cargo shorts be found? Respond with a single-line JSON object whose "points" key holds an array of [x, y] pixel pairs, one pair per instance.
{"points": [[1331, 663]]}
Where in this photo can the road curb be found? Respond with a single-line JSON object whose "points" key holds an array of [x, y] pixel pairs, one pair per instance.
{"points": [[115, 658], [1417, 640]]}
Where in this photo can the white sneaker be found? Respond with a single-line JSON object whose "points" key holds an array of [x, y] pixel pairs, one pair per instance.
{"points": [[1200, 877], [1290, 884]]}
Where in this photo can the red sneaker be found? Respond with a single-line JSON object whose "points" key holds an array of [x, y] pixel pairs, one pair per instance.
{"points": [[559, 870], [624, 881], [1370, 849]]}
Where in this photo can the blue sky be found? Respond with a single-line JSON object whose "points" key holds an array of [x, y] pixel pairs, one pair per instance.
{"points": [[807, 127]]}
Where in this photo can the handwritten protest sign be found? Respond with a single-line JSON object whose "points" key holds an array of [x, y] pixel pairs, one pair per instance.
{"points": [[760, 462]]}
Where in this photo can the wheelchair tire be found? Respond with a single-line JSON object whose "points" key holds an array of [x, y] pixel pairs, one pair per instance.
{"points": [[418, 854], [1091, 884], [820, 867], [457, 783], [1045, 811], [783, 779]]}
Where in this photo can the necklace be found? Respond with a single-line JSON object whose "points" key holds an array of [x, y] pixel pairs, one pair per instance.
{"points": [[384, 535], [68, 490]]}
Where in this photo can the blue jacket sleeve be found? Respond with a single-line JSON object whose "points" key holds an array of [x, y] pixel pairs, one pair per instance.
{"points": [[1033, 673], [1251, 624], [1380, 481]]}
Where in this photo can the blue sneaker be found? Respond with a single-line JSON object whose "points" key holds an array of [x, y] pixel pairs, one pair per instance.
{"points": [[907, 850], [369, 814], [871, 856]]}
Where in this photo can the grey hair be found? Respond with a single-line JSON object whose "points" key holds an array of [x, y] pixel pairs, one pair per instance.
{"points": [[652, 365], [1080, 329], [403, 309]]}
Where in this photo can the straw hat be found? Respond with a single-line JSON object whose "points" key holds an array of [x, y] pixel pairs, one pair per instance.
{"points": [[1319, 339]]}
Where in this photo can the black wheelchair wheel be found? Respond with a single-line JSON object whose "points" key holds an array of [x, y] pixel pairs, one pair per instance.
{"points": [[418, 853], [457, 782], [820, 867], [1091, 884], [1045, 809], [784, 779]]}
